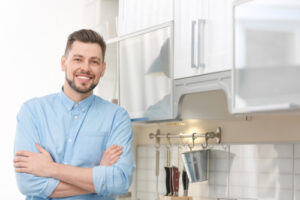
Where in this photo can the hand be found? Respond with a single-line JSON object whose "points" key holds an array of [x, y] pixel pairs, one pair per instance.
{"points": [[38, 164], [111, 155]]}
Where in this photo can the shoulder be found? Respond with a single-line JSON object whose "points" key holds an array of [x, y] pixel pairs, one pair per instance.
{"points": [[109, 108], [37, 102]]}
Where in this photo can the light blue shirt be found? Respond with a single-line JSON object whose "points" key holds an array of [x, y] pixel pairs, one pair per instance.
{"points": [[75, 134]]}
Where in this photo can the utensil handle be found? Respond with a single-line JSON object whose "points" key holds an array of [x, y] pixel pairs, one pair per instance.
{"points": [[168, 175]]}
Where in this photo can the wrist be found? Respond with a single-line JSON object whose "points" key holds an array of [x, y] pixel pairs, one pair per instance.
{"points": [[54, 169]]}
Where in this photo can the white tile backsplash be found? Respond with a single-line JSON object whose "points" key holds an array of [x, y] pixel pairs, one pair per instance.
{"points": [[250, 171]]}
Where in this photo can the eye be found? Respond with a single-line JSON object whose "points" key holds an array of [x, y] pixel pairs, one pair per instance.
{"points": [[77, 59], [95, 62]]}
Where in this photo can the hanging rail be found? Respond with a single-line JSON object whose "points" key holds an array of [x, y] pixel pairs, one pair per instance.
{"points": [[207, 136]]}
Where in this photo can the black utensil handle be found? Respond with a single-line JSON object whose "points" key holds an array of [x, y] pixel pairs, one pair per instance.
{"points": [[168, 175]]}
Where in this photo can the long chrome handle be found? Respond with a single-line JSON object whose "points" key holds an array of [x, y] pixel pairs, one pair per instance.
{"points": [[201, 24], [193, 65]]}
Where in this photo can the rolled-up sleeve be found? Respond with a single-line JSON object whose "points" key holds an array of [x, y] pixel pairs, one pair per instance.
{"points": [[116, 179], [26, 137]]}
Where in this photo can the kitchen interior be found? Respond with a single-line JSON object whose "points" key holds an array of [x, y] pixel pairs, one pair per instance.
{"points": [[213, 92]]}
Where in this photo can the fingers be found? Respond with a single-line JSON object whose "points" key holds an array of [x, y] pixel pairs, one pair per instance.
{"points": [[24, 153], [20, 164], [114, 149], [40, 148], [20, 159]]}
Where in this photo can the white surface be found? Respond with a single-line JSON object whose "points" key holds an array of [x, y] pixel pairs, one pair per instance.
{"points": [[33, 37], [216, 51], [135, 15]]}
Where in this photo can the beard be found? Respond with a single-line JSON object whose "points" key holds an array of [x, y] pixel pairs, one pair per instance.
{"points": [[77, 89]]}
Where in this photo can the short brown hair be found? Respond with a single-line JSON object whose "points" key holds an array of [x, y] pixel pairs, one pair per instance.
{"points": [[87, 36]]}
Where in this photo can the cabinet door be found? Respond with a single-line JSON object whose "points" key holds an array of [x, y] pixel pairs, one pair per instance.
{"points": [[135, 15], [108, 85], [145, 75], [202, 37], [101, 16], [267, 49], [218, 36]]}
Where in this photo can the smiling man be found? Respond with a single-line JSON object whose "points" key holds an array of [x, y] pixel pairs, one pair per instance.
{"points": [[73, 144]]}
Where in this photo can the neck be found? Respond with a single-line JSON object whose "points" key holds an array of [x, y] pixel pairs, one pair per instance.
{"points": [[75, 96]]}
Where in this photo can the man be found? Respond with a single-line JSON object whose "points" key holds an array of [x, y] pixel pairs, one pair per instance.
{"points": [[73, 144]]}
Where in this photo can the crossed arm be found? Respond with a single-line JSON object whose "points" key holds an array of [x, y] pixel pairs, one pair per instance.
{"points": [[73, 180]]}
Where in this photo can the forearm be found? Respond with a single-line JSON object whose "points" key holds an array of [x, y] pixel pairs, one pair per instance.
{"points": [[67, 190], [79, 177]]}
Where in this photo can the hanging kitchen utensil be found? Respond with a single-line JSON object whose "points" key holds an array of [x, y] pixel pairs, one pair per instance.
{"points": [[157, 146], [185, 182], [175, 180], [168, 169]]}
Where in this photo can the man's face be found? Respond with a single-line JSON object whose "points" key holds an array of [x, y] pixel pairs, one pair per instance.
{"points": [[83, 66]]}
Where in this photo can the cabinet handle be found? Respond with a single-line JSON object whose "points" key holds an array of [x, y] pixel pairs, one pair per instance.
{"points": [[193, 65], [201, 24]]}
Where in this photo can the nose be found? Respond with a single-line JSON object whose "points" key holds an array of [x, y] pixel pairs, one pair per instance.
{"points": [[85, 66]]}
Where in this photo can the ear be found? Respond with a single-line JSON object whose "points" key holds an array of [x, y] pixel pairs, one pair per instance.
{"points": [[103, 69], [63, 63]]}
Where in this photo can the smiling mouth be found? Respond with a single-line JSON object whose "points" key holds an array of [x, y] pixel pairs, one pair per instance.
{"points": [[84, 77]]}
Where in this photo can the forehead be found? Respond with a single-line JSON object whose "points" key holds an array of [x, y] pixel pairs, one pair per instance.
{"points": [[86, 49]]}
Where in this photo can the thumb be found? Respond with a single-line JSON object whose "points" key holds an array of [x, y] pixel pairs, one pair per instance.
{"points": [[41, 150]]}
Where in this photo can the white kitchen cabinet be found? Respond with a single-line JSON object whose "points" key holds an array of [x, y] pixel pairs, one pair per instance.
{"points": [[136, 15], [146, 87], [202, 37], [108, 87], [102, 16], [267, 49]]}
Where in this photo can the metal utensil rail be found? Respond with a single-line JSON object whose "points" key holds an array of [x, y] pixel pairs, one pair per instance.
{"points": [[207, 136]]}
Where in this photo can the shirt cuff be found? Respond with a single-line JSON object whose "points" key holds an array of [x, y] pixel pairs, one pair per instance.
{"points": [[99, 180], [50, 187]]}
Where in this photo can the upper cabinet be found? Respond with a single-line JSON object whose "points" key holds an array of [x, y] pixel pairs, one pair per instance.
{"points": [[202, 37], [266, 56], [108, 87], [146, 88], [102, 16], [136, 15]]}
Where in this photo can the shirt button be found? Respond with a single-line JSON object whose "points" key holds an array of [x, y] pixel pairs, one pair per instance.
{"points": [[76, 105], [83, 110], [75, 117], [65, 163], [70, 140]]}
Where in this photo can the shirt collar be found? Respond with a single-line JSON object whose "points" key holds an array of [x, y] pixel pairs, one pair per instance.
{"points": [[70, 104]]}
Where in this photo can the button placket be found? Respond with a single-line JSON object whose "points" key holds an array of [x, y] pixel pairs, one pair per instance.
{"points": [[74, 126]]}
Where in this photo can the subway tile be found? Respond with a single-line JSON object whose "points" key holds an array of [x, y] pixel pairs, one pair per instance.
{"points": [[297, 150], [282, 194], [262, 150], [259, 165], [297, 182], [297, 195], [260, 193], [297, 166], [261, 180], [242, 192]]}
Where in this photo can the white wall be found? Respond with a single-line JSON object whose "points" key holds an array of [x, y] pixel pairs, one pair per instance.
{"points": [[33, 35]]}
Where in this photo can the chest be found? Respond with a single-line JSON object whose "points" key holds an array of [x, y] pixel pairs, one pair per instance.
{"points": [[75, 138]]}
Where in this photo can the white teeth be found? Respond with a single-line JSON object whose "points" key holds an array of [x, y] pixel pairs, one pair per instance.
{"points": [[83, 77]]}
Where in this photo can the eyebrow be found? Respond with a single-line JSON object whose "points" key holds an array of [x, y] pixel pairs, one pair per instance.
{"points": [[94, 57]]}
